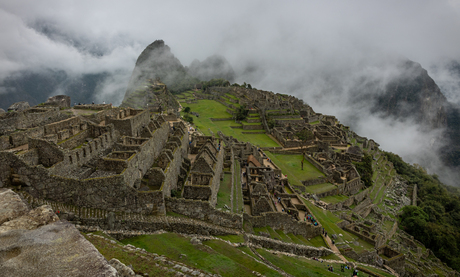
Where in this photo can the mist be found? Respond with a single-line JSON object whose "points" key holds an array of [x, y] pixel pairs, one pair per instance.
{"points": [[317, 51]]}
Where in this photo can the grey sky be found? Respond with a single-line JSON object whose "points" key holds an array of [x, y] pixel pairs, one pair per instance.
{"points": [[305, 48]]}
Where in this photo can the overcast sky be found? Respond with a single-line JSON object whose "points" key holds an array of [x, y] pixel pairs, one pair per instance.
{"points": [[283, 42]]}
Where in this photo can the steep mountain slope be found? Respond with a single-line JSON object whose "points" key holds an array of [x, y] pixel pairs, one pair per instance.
{"points": [[157, 61], [413, 94]]}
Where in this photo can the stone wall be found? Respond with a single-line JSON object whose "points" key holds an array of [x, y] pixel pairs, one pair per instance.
{"points": [[96, 107], [316, 181], [203, 210], [11, 121], [131, 124], [315, 164], [354, 199], [281, 221], [252, 127], [296, 249], [221, 119], [121, 228]]}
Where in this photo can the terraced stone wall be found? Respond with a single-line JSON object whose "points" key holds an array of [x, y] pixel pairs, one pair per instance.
{"points": [[278, 220], [203, 210]]}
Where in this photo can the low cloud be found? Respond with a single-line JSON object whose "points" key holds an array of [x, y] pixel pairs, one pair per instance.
{"points": [[315, 50]]}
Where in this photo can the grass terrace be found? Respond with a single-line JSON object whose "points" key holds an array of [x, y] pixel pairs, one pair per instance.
{"points": [[213, 256], [212, 109], [298, 266], [224, 193], [320, 188], [291, 165], [334, 199]]}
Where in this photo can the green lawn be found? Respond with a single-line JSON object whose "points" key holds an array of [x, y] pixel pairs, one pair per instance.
{"points": [[110, 251], [213, 256], [223, 196], [290, 165], [245, 263], [320, 188], [237, 192], [298, 266], [210, 108], [334, 199]]}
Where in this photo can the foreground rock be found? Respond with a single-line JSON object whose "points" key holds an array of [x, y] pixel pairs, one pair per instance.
{"points": [[36, 243]]}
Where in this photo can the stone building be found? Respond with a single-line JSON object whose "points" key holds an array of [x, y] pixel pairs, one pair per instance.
{"points": [[206, 172]]}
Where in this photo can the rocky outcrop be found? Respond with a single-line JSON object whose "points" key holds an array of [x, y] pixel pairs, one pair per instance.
{"points": [[19, 106], [121, 268], [11, 206], [36, 243], [62, 101], [157, 61]]}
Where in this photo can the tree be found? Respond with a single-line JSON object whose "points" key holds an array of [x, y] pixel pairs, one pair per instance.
{"points": [[364, 168], [188, 118], [241, 113], [249, 86], [187, 110], [305, 135]]}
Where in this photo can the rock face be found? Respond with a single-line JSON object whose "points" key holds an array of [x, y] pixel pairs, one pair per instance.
{"points": [[11, 206], [19, 106], [122, 269], [36, 243], [413, 94], [157, 61], [62, 101]]}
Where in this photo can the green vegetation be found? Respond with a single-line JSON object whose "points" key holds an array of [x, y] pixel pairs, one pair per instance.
{"points": [[212, 109], [237, 192], [291, 166], [334, 199], [241, 113], [297, 266], [213, 256], [110, 251], [320, 188], [436, 220], [365, 169], [223, 196], [305, 135]]}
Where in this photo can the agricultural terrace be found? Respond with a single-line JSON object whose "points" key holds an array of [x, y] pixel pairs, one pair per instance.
{"points": [[291, 165], [208, 109]]}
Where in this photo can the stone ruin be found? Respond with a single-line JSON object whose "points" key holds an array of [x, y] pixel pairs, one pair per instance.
{"points": [[109, 162]]}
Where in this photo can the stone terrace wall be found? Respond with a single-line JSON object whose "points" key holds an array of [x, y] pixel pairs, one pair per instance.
{"points": [[316, 164], [109, 193], [100, 116], [20, 138], [79, 156], [11, 121], [278, 220], [252, 127], [203, 210], [315, 181], [97, 107], [354, 199], [297, 249], [151, 224], [130, 126]]}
